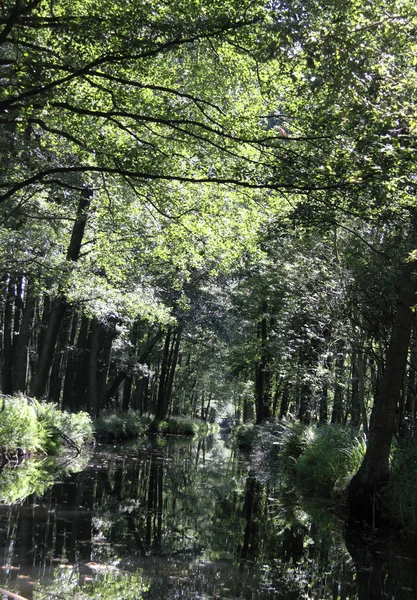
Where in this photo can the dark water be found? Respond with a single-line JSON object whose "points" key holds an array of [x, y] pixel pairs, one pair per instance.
{"points": [[186, 520]]}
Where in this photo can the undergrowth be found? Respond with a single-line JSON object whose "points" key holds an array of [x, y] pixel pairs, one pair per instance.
{"points": [[119, 427], [37, 427], [322, 460], [318, 459]]}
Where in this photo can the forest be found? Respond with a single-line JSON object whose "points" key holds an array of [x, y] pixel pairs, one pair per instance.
{"points": [[208, 210]]}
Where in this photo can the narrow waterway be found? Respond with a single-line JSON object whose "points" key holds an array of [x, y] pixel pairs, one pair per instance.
{"points": [[179, 519]]}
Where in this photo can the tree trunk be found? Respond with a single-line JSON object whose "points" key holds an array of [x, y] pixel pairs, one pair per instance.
{"points": [[263, 376], [59, 305], [21, 355], [40, 380], [7, 386], [374, 470], [169, 363], [337, 413], [74, 384], [93, 405]]}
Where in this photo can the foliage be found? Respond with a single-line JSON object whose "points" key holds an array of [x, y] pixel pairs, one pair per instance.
{"points": [[182, 426], [19, 426], [119, 427], [107, 584], [319, 459], [295, 438], [59, 428], [244, 436], [41, 427], [332, 456]]}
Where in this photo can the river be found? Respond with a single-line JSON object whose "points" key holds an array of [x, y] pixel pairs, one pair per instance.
{"points": [[180, 519]]}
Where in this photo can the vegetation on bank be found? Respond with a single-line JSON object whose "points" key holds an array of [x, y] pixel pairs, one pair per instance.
{"points": [[28, 426], [115, 427], [322, 461], [178, 235], [318, 459]]}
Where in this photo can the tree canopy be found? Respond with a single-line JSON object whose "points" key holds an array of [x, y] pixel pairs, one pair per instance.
{"points": [[199, 187]]}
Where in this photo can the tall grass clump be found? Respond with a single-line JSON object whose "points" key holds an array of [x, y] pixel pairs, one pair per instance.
{"points": [[112, 427], [332, 456], [401, 491], [245, 436], [59, 428], [35, 426], [294, 439], [19, 425]]}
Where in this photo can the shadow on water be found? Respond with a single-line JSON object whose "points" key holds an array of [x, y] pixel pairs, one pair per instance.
{"points": [[187, 519]]}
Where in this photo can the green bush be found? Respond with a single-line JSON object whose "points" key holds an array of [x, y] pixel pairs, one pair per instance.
{"points": [[294, 438], [114, 427], [19, 426], [245, 436], [332, 455], [60, 428], [41, 427]]}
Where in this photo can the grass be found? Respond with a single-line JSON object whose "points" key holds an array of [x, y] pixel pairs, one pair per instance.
{"points": [[329, 460], [322, 460], [37, 427], [120, 427], [318, 459]]}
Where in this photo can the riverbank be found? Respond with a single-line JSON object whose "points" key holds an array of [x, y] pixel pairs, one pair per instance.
{"points": [[113, 427], [320, 461], [29, 427]]}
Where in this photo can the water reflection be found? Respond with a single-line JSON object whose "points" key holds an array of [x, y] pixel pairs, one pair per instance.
{"points": [[180, 519]]}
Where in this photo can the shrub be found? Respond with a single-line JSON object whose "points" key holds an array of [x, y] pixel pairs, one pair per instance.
{"points": [[19, 426], [294, 438], [119, 427], [41, 427], [245, 436], [330, 458], [60, 428]]}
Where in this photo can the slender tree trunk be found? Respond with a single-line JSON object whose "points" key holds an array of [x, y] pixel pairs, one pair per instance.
{"points": [[109, 334], [57, 370], [324, 401], [127, 392], [75, 380], [361, 390], [285, 400], [263, 376], [337, 413], [374, 471], [7, 385], [93, 405], [40, 380], [59, 305], [21, 355], [172, 368]]}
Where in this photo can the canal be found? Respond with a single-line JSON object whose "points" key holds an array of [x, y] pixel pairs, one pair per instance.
{"points": [[186, 519]]}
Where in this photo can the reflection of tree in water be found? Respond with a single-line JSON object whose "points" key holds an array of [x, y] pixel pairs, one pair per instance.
{"points": [[191, 517], [384, 568]]}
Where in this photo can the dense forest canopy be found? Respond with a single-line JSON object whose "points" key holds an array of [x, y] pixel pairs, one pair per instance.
{"points": [[211, 207]]}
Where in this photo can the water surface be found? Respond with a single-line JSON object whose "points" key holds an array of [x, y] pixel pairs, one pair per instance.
{"points": [[174, 518]]}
